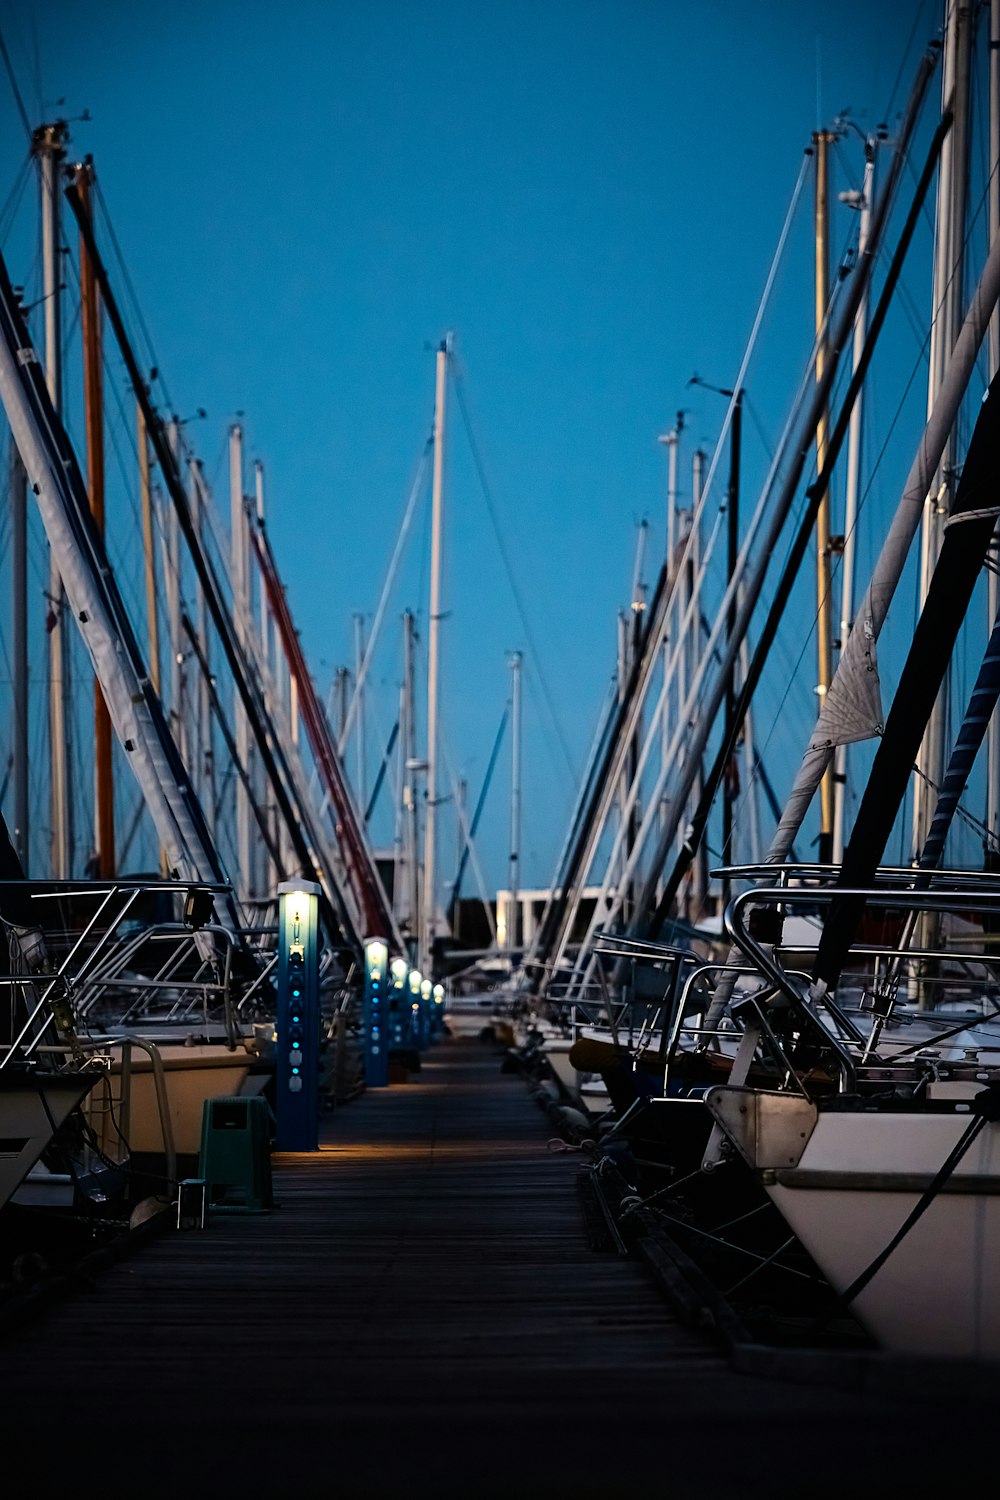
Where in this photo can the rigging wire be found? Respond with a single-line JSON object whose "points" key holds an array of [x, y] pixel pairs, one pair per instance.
{"points": [[13, 202], [918, 20], [390, 578], [529, 634], [470, 844], [12, 77], [129, 285]]}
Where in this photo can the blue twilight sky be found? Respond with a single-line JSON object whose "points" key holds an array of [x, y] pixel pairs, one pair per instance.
{"points": [[309, 195]]}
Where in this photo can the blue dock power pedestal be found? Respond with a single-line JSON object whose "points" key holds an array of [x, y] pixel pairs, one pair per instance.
{"points": [[297, 1047], [399, 1005], [376, 1014]]}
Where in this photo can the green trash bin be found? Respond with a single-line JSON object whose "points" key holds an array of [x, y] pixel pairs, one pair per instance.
{"points": [[235, 1158]]}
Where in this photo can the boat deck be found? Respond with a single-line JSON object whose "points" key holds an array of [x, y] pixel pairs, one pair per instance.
{"points": [[422, 1315]]}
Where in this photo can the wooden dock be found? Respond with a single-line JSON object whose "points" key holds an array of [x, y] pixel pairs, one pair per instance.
{"points": [[422, 1315]]}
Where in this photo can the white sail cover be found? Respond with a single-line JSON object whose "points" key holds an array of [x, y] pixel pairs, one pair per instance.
{"points": [[852, 708]]}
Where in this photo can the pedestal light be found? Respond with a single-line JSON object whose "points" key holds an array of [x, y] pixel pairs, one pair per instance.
{"points": [[399, 1004], [416, 1029], [426, 1007], [297, 1049], [376, 1014]]}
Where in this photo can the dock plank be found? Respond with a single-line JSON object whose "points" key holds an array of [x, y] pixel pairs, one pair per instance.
{"points": [[422, 1314]]}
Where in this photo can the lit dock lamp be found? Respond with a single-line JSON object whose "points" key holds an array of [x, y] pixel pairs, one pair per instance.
{"points": [[399, 1004], [416, 1028], [437, 1014], [297, 1049], [376, 1014], [426, 1006]]}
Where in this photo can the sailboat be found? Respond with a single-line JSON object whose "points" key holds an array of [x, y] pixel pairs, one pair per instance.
{"points": [[891, 1177], [180, 1010]]}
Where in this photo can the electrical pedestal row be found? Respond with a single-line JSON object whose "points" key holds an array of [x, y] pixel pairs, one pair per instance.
{"points": [[402, 1011]]}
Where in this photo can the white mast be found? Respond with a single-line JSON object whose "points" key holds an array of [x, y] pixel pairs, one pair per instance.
{"points": [[20, 833], [173, 581], [238, 559], [265, 634], [671, 441], [49, 147], [949, 244], [624, 642], [203, 759], [433, 649], [267, 875], [358, 700], [410, 894], [699, 881], [293, 704], [824, 652], [851, 502], [514, 879]]}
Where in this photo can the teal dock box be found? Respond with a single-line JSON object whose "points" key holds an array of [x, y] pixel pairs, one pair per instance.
{"points": [[235, 1159]]}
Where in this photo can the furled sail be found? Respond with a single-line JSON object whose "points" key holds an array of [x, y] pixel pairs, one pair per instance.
{"points": [[92, 590]]}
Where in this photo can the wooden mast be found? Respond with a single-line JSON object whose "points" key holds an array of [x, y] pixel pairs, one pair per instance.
{"points": [[93, 394]]}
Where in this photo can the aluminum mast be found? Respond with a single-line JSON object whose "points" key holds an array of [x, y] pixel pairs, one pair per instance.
{"points": [[49, 147], [429, 922]]}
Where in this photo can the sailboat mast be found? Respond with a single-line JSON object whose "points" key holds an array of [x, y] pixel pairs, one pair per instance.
{"points": [[992, 580], [671, 442], [49, 147], [19, 601], [699, 882], [851, 501], [173, 588], [411, 835], [949, 243], [266, 876], [238, 559], [824, 632], [293, 704], [433, 652], [514, 878], [93, 392], [265, 633], [732, 560], [359, 726], [204, 759]]}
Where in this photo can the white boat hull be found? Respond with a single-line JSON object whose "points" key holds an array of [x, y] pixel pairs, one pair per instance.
{"points": [[858, 1177], [32, 1108]]}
